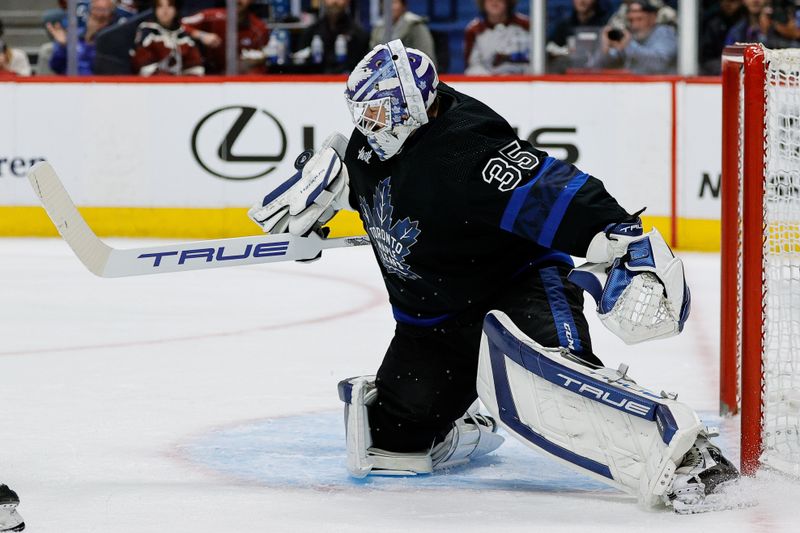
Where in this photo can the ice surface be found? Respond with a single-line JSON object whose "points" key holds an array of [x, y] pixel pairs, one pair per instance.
{"points": [[206, 402]]}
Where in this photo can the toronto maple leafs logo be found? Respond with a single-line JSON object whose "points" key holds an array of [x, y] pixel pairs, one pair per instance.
{"points": [[392, 242]]}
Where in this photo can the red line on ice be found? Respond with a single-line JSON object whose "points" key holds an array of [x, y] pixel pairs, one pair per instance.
{"points": [[376, 298]]}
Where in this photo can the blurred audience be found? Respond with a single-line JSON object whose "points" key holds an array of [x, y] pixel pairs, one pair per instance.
{"points": [[753, 27], [563, 49], [209, 28], [784, 17], [664, 14], [58, 18], [13, 61], [337, 40], [406, 26], [497, 42], [123, 10], [717, 22], [163, 47], [639, 37], [643, 47], [774, 25], [101, 15]]}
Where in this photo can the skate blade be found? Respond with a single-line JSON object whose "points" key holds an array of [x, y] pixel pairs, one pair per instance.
{"points": [[727, 497], [709, 507], [10, 520]]}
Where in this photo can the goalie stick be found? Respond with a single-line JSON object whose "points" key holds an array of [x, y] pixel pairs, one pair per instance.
{"points": [[108, 262]]}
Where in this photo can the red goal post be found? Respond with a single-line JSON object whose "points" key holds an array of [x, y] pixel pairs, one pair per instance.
{"points": [[760, 261]]}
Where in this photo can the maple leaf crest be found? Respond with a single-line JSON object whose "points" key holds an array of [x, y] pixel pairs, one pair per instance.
{"points": [[392, 242]]}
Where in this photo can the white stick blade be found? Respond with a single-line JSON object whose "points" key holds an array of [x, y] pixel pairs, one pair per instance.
{"points": [[66, 218], [109, 262]]}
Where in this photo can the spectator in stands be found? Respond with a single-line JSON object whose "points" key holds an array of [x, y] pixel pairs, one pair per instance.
{"points": [[665, 14], [561, 46], [643, 47], [752, 28], [717, 22], [344, 41], [13, 61], [497, 42], [776, 27], [101, 14], [209, 28], [783, 15], [406, 26], [131, 6], [123, 10], [163, 47]]}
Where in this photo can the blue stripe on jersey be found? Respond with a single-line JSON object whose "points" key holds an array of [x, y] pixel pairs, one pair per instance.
{"points": [[405, 318], [559, 208], [530, 206], [559, 306], [518, 197], [547, 256], [553, 255]]}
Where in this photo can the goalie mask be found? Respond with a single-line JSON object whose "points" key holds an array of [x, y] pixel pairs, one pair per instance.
{"points": [[389, 93]]}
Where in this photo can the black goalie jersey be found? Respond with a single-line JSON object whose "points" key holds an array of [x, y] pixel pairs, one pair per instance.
{"points": [[466, 207]]}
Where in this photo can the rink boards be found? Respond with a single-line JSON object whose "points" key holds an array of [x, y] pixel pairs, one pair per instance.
{"points": [[185, 158]]}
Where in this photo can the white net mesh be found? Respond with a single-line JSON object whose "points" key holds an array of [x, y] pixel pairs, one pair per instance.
{"points": [[781, 275]]}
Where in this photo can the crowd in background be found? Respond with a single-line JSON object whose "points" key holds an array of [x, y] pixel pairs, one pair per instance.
{"points": [[185, 37]]}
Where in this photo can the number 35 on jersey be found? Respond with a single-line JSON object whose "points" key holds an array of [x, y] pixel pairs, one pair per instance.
{"points": [[508, 168]]}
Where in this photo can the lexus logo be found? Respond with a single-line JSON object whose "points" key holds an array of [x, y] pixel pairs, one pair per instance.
{"points": [[239, 142]]}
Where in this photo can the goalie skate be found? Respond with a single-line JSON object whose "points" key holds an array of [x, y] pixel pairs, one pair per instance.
{"points": [[717, 501], [10, 520], [703, 481]]}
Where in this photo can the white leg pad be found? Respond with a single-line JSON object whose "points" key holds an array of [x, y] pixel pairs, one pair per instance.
{"points": [[471, 436], [362, 459], [598, 422], [10, 519]]}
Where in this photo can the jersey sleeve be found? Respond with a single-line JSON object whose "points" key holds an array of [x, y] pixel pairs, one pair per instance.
{"points": [[143, 60], [259, 35], [196, 22], [542, 199]]}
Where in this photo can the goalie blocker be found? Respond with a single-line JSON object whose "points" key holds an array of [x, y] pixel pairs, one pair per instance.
{"points": [[597, 421]]}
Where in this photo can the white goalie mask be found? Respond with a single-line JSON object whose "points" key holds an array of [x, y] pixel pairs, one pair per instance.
{"points": [[388, 95]]}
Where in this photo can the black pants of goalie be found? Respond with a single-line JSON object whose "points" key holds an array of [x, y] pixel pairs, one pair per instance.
{"points": [[427, 377]]}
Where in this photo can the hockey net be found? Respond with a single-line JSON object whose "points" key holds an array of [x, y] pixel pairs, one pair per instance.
{"points": [[760, 323]]}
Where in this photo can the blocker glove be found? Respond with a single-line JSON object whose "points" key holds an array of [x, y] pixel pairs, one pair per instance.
{"points": [[311, 196], [637, 282]]}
